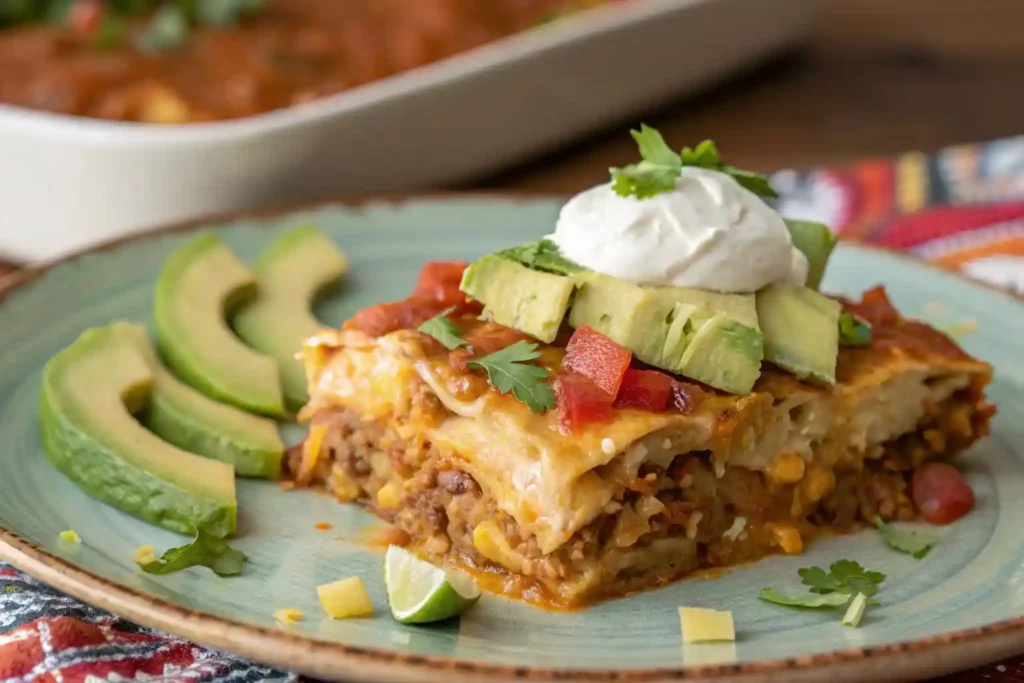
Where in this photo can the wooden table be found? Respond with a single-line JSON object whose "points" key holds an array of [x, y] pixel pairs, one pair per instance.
{"points": [[879, 77]]}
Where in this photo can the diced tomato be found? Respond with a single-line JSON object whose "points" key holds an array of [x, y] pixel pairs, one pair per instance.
{"points": [[644, 389], [491, 337], [941, 493], [439, 281], [875, 307], [398, 315], [86, 16], [581, 402], [686, 397], [597, 357]]}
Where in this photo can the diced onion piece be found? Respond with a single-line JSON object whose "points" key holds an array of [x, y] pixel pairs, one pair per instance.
{"points": [[702, 625], [855, 611], [346, 598]]}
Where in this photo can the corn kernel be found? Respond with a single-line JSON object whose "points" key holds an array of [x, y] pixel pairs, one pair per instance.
{"points": [[492, 544], [786, 468], [389, 496], [287, 617], [344, 487], [70, 536], [788, 538], [818, 483], [345, 598], [165, 107], [145, 554]]}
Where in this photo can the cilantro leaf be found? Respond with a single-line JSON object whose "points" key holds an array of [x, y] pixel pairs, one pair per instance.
{"points": [[204, 551], [853, 331], [704, 155], [441, 328], [844, 576], [660, 167], [826, 601], [653, 148], [509, 370], [168, 29], [913, 543], [643, 180], [541, 255]]}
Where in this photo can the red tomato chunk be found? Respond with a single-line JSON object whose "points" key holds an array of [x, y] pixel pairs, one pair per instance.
{"points": [[581, 402], [941, 493], [439, 281], [437, 290], [645, 389], [875, 307], [598, 358]]}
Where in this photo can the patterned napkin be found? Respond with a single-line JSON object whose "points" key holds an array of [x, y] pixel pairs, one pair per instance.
{"points": [[962, 208]]}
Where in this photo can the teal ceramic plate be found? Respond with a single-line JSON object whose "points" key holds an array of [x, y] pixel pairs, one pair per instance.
{"points": [[958, 607]]}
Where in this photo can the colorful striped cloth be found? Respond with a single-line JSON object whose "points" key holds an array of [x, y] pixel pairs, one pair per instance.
{"points": [[962, 208]]}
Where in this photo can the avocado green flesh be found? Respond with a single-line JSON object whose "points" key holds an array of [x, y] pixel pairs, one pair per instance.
{"points": [[706, 336], [89, 434], [816, 242], [201, 284], [801, 331], [291, 273], [527, 300], [190, 420]]}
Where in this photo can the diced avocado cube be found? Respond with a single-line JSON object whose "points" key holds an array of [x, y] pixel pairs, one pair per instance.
{"points": [[816, 242], [661, 326], [801, 331], [725, 354], [527, 300]]}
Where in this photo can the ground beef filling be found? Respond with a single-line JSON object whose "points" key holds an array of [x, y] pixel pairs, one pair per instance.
{"points": [[665, 523]]}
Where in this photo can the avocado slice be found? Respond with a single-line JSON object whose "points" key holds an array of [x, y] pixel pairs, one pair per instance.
{"points": [[89, 392], [528, 300], [291, 273], [199, 285], [801, 331], [816, 242], [708, 336], [187, 418]]}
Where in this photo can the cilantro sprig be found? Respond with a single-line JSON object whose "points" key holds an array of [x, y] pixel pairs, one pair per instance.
{"points": [[510, 370], [853, 331], [441, 328], [661, 167], [204, 551], [913, 543], [845, 583]]}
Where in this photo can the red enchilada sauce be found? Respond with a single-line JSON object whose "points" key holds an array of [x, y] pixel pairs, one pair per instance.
{"points": [[290, 53]]}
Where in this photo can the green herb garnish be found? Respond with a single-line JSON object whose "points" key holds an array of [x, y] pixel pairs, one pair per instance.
{"points": [[844, 576], [168, 29], [441, 328], [661, 167], [226, 12], [845, 581], [110, 34], [204, 551], [853, 331], [509, 370], [912, 543], [827, 601], [541, 255]]}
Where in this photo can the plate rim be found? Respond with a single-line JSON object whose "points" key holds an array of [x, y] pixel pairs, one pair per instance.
{"points": [[328, 658]]}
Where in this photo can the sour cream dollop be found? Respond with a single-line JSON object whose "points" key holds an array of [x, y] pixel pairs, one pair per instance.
{"points": [[709, 232]]}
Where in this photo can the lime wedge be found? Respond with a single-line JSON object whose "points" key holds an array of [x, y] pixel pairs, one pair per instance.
{"points": [[419, 592]]}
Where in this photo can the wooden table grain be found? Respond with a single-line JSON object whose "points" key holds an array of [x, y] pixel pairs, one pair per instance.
{"points": [[878, 77]]}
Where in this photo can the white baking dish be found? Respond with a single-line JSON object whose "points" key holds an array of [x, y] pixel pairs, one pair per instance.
{"points": [[68, 182]]}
